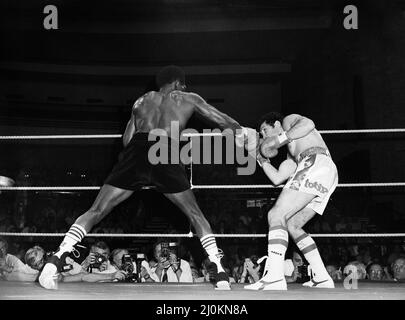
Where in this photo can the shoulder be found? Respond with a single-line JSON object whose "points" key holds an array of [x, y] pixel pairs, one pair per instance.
{"points": [[291, 119], [11, 259], [141, 99], [190, 97]]}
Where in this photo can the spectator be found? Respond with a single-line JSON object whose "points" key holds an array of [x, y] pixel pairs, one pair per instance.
{"points": [[168, 267], [398, 269], [356, 268], [117, 259], [396, 253], [10, 265], [375, 272], [334, 272], [296, 269], [36, 256], [98, 259], [250, 271]]}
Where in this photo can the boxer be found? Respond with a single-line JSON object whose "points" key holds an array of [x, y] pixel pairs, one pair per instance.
{"points": [[154, 110], [311, 177]]}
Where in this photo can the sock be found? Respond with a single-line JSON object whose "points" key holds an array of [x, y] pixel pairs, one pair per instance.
{"points": [[75, 234], [277, 246], [210, 246], [308, 247]]}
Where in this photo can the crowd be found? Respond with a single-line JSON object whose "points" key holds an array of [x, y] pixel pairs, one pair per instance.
{"points": [[22, 257], [174, 261]]}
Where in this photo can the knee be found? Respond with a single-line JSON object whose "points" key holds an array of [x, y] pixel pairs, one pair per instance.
{"points": [[294, 229], [276, 217]]}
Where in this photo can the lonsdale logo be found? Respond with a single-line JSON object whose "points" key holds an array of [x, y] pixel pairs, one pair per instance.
{"points": [[315, 185]]}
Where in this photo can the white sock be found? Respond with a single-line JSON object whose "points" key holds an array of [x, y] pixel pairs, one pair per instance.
{"points": [[277, 246], [210, 246], [75, 234], [308, 247]]}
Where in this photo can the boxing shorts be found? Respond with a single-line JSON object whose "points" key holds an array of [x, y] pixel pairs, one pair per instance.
{"points": [[134, 171], [316, 174]]}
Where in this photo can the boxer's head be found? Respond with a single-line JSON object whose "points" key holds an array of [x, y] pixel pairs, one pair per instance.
{"points": [[270, 124], [171, 76]]}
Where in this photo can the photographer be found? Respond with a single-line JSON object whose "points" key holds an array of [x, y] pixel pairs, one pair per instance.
{"points": [[251, 270], [123, 261], [296, 270], [98, 259], [36, 258], [169, 268]]}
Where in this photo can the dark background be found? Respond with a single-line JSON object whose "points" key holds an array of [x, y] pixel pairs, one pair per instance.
{"points": [[244, 57]]}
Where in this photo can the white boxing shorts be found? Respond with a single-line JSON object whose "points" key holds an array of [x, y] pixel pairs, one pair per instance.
{"points": [[316, 174]]}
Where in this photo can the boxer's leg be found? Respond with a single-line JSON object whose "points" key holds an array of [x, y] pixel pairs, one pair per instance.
{"points": [[107, 198], [308, 247], [288, 203], [187, 203]]}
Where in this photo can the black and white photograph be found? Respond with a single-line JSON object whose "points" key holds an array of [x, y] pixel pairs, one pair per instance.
{"points": [[202, 159]]}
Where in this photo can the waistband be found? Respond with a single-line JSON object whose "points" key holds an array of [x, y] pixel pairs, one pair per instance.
{"points": [[311, 151], [144, 136]]}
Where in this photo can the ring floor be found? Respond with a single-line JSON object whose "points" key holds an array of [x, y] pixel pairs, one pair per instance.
{"points": [[366, 290]]}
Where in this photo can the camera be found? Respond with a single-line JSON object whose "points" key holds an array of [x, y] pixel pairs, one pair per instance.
{"points": [[139, 258], [99, 259], [127, 265], [304, 276], [168, 248]]}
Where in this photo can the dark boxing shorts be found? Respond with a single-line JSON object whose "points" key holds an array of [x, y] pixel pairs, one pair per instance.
{"points": [[134, 170]]}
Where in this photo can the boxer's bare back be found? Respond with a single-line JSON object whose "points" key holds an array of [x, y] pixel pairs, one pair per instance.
{"points": [[157, 110]]}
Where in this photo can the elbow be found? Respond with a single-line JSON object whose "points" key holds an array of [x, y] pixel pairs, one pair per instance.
{"points": [[277, 181]]}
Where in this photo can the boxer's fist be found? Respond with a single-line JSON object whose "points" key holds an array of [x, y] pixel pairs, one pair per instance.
{"points": [[275, 142], [267, 150], [248, 138]]}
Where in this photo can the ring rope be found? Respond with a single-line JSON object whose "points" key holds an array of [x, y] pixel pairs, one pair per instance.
{"points": [[252, 186], [190, 235], [116, 136]]}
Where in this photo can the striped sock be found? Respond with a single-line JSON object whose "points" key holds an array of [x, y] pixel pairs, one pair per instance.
{"points": [[277, 246], [210, 246], [308, 247], [75, 234]]}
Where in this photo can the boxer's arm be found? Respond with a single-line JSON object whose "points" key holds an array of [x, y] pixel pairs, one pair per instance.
{"points": [[278, 176], [129, 130], [211, 113], [297, 126]]}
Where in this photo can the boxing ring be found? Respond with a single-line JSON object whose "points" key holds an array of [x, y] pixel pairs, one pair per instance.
{"points": [[366, 290]]}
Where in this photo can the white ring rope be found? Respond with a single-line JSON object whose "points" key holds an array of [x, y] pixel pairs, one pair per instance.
{"points": [[190, 235], [242, 186], [116, 136], [63, 136]]}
